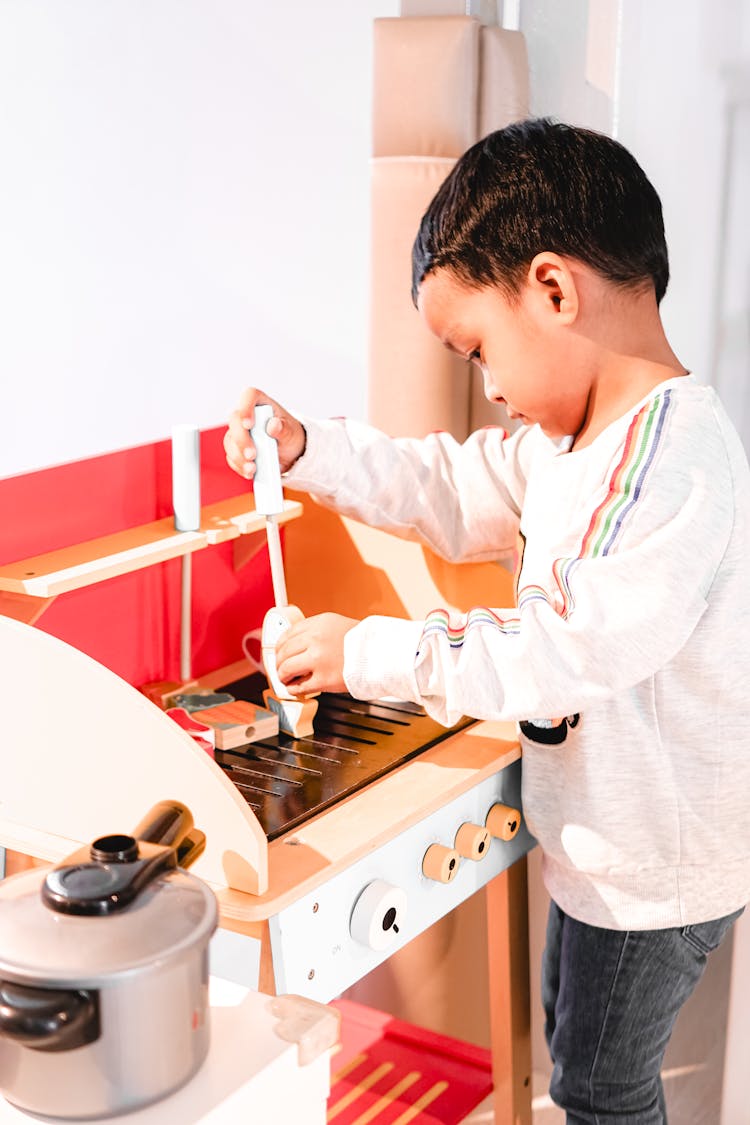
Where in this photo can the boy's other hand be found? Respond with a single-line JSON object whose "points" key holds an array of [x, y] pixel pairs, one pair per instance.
{"points": [[310, 655], [239, 446]]}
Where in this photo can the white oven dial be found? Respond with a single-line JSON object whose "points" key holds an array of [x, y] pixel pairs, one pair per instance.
{"points": [[378, 915]]}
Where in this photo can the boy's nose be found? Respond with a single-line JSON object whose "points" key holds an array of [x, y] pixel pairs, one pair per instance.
{"points": [[490, 390]]}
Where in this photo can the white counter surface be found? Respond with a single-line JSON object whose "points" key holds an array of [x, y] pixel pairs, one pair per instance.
{"points": [[250, 1074]]}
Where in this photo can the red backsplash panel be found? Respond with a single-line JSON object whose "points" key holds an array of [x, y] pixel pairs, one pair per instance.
{"points": [[131, 623]]}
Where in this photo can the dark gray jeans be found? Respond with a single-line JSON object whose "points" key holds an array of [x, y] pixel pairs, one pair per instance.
{"points": [[611, 998]]}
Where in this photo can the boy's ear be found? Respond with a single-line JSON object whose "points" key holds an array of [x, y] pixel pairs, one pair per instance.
{"points": [[551, 280]]}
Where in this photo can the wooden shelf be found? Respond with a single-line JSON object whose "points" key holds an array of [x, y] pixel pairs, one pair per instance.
{"points": [[71, 568]]}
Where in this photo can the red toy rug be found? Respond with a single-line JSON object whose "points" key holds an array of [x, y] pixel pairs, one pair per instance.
{"points": [[393, 1073]]}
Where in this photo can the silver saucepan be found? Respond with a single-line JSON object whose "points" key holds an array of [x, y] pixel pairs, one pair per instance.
{"points": [[104, 972]]}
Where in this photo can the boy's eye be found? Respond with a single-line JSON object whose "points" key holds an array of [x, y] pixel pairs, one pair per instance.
{"points": [[475, 356]]}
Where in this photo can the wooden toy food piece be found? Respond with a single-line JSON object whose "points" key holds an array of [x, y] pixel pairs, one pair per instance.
{"points": [[295, 716], [237, 723]]}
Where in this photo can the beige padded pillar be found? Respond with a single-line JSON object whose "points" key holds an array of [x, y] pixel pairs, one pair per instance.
{"points": [[503, 97], [440, 82], [416, 385], [426, 75], [426, 78], [504, 85]]}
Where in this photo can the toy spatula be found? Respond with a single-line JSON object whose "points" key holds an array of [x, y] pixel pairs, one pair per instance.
{"points": [[295, 712]]}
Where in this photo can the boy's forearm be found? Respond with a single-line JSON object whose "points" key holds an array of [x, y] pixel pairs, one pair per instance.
{"points": [[451, 498]]}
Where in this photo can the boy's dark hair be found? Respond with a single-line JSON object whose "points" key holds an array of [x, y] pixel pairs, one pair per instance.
{"points": [[541, 185]]}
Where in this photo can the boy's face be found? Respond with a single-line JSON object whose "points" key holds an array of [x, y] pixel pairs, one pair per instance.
{"points": [[524, 355]]}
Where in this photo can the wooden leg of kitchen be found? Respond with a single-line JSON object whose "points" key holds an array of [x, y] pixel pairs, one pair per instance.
{"points": [[510, 1016], [259, 931], [266, 982]]}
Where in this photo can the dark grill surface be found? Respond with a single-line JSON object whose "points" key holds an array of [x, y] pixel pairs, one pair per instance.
{"points": [[286, 780]]}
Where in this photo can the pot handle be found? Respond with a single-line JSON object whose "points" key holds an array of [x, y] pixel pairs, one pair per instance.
{"points": [[48, 1019], [191, 847], [170, 824], [166, 823]]}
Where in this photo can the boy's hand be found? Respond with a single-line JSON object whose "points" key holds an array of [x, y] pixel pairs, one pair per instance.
{"points": [[239, 446], [310, 655]]}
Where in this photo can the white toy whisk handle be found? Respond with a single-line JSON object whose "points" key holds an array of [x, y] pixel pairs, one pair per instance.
{"points": [[269, 496]]}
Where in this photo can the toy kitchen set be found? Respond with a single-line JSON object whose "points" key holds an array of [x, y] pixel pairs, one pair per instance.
{"points": [[330, 841]]}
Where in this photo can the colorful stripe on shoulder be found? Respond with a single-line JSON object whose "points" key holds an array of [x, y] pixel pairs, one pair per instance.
{"points": [[623, 493], [627, 480]]}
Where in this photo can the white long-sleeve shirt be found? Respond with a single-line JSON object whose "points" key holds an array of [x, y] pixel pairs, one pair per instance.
{"points": [[632, 624]]}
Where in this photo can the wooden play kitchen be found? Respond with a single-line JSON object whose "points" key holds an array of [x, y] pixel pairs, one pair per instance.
{"points": [[327, 852]]}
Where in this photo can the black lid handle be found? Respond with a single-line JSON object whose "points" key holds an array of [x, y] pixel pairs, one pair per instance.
{"points": [[113, 871]]}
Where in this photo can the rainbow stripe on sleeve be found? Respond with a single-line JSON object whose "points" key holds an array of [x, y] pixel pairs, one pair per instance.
{"points": [[602, 534], [438, 622]]}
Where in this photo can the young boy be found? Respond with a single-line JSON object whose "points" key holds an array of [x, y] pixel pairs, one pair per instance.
{"points": [[626, 662]]}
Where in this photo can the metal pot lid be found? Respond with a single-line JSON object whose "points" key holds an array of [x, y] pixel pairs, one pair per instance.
{"points": [[172, 915]]}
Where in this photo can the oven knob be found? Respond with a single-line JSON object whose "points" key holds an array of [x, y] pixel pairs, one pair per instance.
{"points": [[440, 863], [378, 915], [472, 841], [503, 821]]}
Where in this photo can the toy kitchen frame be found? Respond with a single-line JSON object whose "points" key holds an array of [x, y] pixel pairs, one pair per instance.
{"points": [[290, 903]]}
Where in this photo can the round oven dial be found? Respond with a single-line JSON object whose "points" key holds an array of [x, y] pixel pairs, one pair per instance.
{"points": [[472, 841], [378, 915], [503, 821], [440, 863]]}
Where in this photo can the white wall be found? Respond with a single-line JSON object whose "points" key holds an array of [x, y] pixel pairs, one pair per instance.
{"points": [[686, 113], [184, 209], [672, 82]]}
